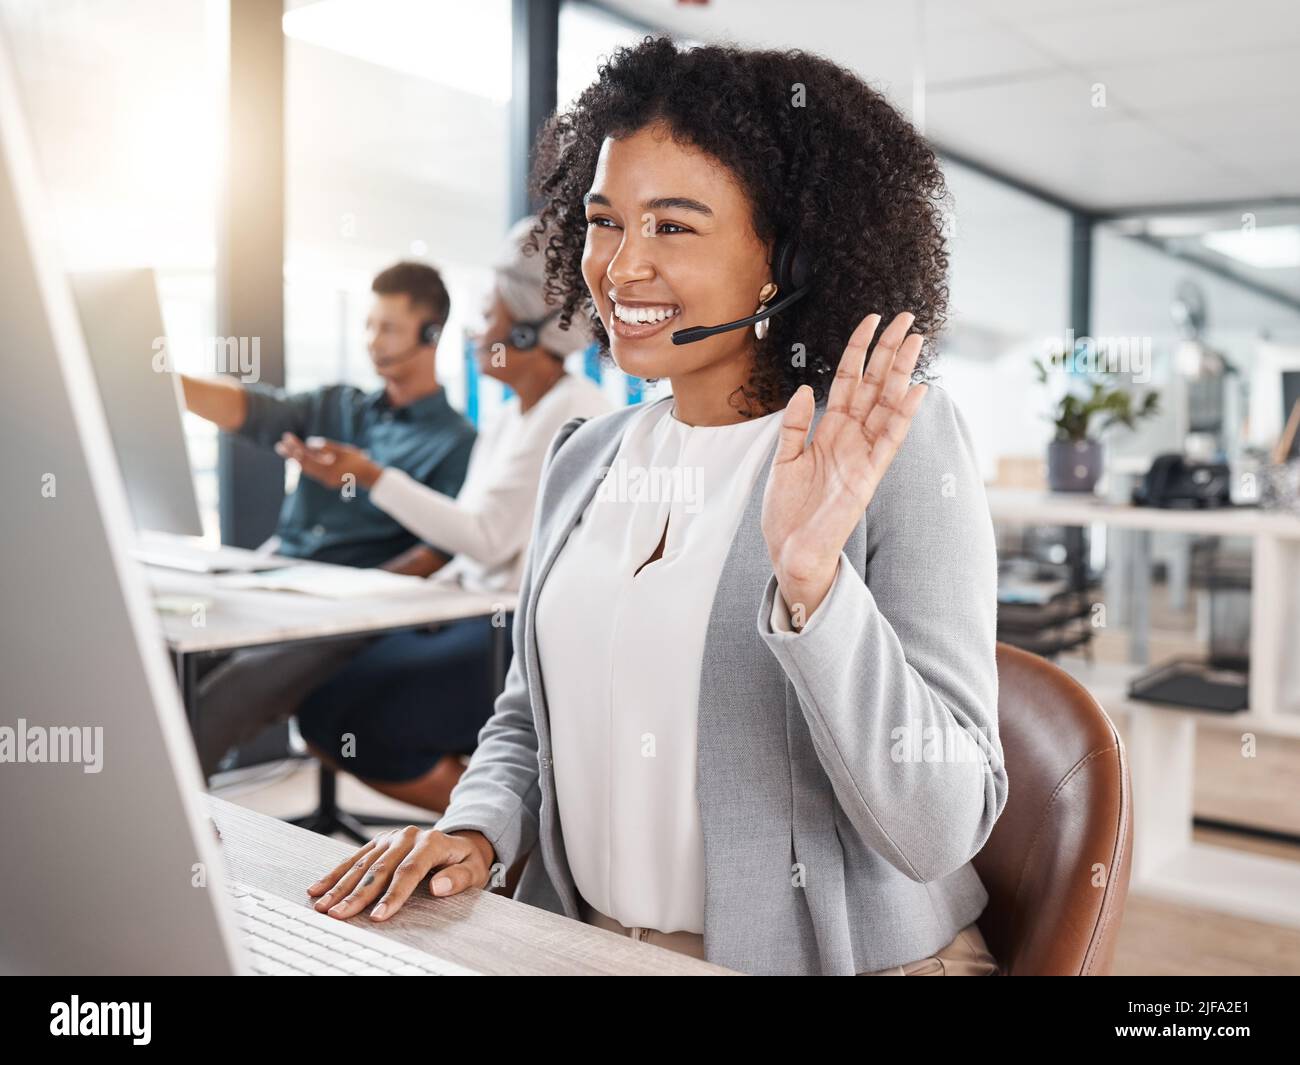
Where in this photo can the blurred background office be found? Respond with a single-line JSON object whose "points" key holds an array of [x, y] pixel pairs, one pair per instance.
{"points": [[1121, 170]]}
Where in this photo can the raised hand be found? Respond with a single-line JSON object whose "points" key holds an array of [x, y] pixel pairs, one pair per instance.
{"points": [[817, 489]]}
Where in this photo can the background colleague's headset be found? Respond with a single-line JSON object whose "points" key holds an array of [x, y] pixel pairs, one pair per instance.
{"points": [[526, 335], [427, 336], [790, 271], [522, 337]]}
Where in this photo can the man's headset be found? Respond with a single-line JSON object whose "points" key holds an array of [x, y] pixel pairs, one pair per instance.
{"points": [[426, 337], [792, 275]]}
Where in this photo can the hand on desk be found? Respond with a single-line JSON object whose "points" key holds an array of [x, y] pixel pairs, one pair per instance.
{"points": [[329, 462], [394, 863]]}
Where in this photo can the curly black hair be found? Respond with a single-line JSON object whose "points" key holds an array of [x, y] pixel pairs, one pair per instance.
{"points": [[819, 153]]}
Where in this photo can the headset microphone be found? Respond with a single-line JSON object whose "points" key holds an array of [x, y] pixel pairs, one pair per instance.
{"points": [[790, 270], [700, 332]]}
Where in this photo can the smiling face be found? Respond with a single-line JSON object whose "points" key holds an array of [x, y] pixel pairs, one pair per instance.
{"points": [[671, 244]]}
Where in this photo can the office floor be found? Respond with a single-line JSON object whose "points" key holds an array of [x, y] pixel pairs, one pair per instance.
{"points": [[1156, 938]]}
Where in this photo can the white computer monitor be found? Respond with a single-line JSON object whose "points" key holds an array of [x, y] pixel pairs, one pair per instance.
{"points": [[111, 865], [121, 320]]}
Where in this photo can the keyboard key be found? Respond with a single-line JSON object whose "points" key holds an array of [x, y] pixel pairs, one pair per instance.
{"points": [[290, 938]]}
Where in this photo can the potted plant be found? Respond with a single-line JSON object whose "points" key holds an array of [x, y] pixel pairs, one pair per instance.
{"points": [[1074, 457]]}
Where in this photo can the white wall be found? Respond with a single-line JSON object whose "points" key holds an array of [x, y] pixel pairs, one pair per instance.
{"points": [[1133, 288], [1009, 291]]}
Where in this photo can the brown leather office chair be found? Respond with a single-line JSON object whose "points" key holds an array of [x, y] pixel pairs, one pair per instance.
{"points": [[1057, 863]]}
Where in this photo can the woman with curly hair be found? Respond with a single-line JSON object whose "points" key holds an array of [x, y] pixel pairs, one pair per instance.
{"points": [[752, 713]]}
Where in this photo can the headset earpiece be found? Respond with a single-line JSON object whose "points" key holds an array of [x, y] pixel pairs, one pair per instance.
{"points": [[430, 332], [792, 275], [789, 266], [524, 336]]}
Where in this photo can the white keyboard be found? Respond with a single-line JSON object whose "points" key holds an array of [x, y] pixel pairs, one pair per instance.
{"points": [[284, 939]]}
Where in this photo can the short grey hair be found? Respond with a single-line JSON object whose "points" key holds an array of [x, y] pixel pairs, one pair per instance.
{"points": [[521, 280]]}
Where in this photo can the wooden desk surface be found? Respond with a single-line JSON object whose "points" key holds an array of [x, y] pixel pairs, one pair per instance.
{"points": [[487, 932], [1069, 508], [240, 617]]}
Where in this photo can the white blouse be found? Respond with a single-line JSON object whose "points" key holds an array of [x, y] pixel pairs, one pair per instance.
{"points": [[621, 654]]}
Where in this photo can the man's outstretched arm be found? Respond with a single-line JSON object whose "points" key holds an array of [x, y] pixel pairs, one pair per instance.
{"points": [[222, 402]]}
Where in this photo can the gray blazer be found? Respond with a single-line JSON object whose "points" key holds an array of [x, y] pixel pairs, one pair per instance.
{"points": [[847, 773]]}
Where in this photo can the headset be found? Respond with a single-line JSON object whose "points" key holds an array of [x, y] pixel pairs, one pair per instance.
{"points": [[428, 335], [525, 335], [792, 275]]}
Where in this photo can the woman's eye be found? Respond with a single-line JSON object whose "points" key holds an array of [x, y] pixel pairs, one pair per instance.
{"points": [[672, 227], [602, 222]]}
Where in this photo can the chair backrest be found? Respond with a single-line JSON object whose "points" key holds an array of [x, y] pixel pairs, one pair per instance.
{"points": [[1058, 861]]}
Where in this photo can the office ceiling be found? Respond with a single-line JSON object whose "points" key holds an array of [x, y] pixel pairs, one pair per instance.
{"points": [[1202, 97]]}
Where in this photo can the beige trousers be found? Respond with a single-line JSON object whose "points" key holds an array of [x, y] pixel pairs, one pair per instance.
{"points": [[966, 955], [691, 943]]}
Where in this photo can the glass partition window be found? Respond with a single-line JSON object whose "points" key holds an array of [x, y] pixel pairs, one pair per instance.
{"points": [[397, 135], [123, 101]]}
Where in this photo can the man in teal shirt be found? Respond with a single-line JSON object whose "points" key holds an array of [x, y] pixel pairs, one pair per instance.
{"points": [[407, 423]]}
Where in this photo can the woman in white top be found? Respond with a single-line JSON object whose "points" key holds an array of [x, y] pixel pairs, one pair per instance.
{"points": [[486, 525], [734, 627], [626, 794], [401, 713]]}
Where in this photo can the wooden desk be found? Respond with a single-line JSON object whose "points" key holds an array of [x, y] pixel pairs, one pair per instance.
{"points": [[224, 618], [232, 618], [1167, 863], [1274, 701], [478, 929], [1081, 508]]}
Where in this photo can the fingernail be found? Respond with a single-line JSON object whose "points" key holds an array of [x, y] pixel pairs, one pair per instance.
{"points": [[378, 912], [441, 884]]}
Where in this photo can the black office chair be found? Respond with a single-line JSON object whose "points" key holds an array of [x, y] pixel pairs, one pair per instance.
{"points": [[329, 818]]}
